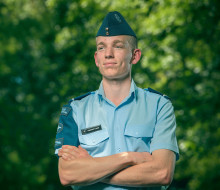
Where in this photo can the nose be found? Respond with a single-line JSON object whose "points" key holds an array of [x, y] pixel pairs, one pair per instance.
{"points": [[109, 53]]}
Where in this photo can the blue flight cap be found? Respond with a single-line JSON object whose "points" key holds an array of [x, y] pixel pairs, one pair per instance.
{"points": [[114, 24]]}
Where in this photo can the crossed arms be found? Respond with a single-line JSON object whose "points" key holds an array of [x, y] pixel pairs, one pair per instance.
{"points": [[77, 167]]}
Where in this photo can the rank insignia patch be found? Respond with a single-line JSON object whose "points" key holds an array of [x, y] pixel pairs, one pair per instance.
{"points": [[59, 142], [65, 111], [60, 127]]}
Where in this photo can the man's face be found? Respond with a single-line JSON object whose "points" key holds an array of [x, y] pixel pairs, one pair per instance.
{"points": [[113, 57]]}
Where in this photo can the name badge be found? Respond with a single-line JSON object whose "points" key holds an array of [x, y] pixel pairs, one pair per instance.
{"points": [[91, 129]]}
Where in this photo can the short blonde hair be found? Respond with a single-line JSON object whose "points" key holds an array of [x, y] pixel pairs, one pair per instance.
{"points": [[133, 42]]}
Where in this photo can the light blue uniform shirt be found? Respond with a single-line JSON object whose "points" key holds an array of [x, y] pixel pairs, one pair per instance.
{"points": [[143, 122]]}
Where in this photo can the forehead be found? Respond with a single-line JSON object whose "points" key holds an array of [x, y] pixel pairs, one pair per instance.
{"points": [[112, 39]]}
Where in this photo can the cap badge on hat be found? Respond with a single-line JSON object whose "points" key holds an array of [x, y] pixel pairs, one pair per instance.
{"points": [[107, 32], [114, 24]]}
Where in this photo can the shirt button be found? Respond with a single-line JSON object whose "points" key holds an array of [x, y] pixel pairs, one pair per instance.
{"points": [[119, 149]]}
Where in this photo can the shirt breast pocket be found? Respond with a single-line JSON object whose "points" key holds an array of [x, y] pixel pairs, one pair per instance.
{"points": [[94, 142], [138, 137]]}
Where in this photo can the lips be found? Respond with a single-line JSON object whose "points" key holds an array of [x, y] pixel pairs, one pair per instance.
{"points": [[109, 63]]}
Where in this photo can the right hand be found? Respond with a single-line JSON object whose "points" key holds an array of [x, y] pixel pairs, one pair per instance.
{"points": [[71, 152]]}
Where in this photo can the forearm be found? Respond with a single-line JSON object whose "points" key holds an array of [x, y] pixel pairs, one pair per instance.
{"points": [[90, 170], [155, 172], [136, 176]]}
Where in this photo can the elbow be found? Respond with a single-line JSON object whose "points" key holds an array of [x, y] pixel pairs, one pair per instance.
{"points": [[70, 178], [65, 179], [67, 175], [64, 182], [165, 177]]}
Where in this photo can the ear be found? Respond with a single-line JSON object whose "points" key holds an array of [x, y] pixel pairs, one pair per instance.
{"points": [[136, 56], [95, 57]]}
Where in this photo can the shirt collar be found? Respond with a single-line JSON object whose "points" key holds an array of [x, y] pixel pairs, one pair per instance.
{"points": [[101, 90], [133, 91]]}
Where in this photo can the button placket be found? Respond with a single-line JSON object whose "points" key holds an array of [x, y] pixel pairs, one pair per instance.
{"points": [[117, 129]]}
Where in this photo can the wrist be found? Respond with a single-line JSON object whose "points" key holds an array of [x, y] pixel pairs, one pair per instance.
{"points": [[127, 158]]}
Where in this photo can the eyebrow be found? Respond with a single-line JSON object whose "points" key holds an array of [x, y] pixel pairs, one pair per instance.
{"points": [[114, 42], [100, 43]]}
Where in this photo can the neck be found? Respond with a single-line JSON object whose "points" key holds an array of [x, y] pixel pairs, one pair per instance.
{"points": [[116, 90]]}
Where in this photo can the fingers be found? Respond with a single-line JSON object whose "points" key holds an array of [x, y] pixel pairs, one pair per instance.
{"points": [[68, 152], [70, 149], [65, 155], [71, 152]]}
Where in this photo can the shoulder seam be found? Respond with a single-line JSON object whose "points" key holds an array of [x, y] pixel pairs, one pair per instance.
{"points": [[156, 92], [82, 96]]}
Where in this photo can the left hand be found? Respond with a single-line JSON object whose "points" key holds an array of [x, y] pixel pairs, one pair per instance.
{"points": [[72, 152]]}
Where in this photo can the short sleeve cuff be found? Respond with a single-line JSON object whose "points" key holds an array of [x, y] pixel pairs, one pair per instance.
{"points": [[166, 146]]}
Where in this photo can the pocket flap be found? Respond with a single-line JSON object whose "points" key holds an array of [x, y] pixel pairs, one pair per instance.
{"points": [[94, 138], [139, 130]]}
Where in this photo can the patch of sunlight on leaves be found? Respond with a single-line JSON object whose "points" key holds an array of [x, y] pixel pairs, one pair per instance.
{"points": [[194, 64], [147, 56], [164, 16], [169, 40], [200, 88], [161, 80], [202, 50], [166, 61], [122, 3], [5, 69], [186, 146], [72, 12], [161, 20], [179, 113], [41, 178], [140, 78], [12, 46], [38, 171], [20, 97], [102, 3], [65, 39], [14, 157], [84, 3], [50, 3], [79, 67]]}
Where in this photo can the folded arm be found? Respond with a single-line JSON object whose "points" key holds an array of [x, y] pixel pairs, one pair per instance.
{"points": [[157, 171], [77, 167]]}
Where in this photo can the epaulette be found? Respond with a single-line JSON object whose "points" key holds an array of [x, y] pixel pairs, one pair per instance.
{"points": [[79, 97], [82, 96], [156, 92]]}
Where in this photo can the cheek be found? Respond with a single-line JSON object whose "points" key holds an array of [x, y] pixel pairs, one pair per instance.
{"points": [[128, 59]]}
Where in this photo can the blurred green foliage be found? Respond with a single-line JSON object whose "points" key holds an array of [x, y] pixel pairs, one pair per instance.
{"points": [[46, 58]]}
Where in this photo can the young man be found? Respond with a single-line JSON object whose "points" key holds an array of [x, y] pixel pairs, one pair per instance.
{"points": [[119, 136]]}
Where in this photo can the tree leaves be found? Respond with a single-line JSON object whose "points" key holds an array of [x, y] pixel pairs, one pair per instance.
{"points": [[46, 58]]}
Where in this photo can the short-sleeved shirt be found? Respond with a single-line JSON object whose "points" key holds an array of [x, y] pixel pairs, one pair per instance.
{"points": [[143, 122]]}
